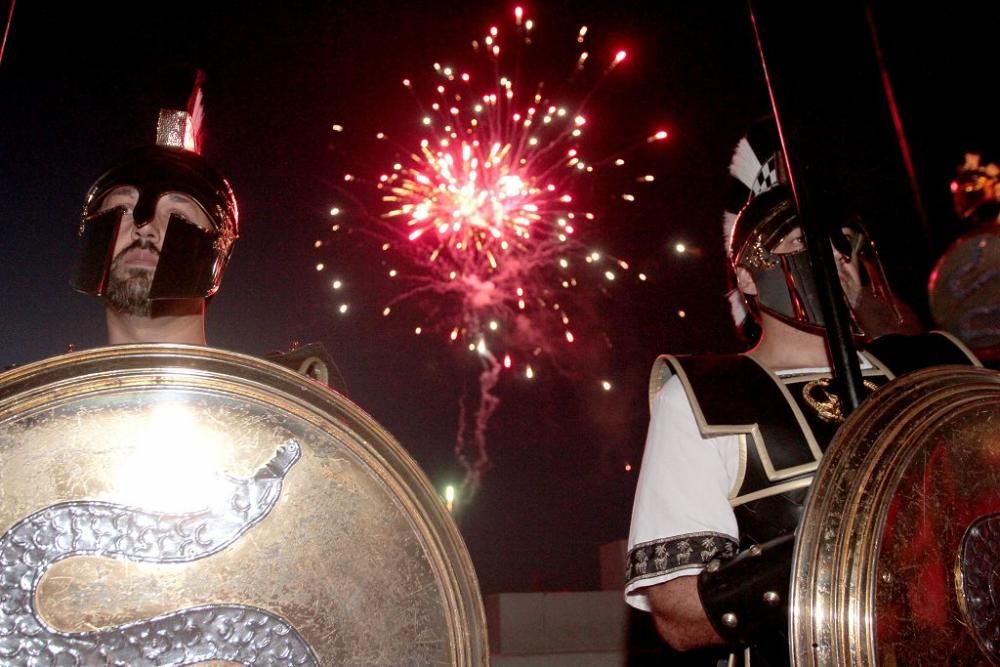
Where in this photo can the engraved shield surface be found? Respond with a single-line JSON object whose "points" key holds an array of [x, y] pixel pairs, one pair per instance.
{"points": [[898, 555], [964, 290], [173, 505]]}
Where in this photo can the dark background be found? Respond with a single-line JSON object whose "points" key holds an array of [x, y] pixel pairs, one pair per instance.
{"points": [[75, 87]]}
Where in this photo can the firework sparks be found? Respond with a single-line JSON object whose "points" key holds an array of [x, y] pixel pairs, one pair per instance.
{"points": [[486, 207], [481, 222]]}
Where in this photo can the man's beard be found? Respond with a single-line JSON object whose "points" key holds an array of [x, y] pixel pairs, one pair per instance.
{"points": [[128, 288]]}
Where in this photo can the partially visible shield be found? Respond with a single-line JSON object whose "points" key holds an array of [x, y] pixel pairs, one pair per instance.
{"points": [[174, 505], [964, 290], [897, 560]]}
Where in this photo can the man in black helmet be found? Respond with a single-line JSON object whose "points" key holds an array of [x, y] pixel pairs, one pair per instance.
{"points": [[734, 440], [157, 230]]}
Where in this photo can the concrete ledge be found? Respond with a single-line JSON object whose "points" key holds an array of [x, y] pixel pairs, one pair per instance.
{"points": [[533, 624], [612, 659]]}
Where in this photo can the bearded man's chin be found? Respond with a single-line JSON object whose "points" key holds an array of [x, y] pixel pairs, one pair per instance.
{"points": [[128, 292]]}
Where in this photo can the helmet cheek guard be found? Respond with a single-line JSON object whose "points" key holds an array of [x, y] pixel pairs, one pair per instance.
{"points": [[98, 234], [190, 263]]}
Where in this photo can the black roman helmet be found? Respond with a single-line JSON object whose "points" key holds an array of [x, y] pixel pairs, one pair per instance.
{"points": [[192, 259]]}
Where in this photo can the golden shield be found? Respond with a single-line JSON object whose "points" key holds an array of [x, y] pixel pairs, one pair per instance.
{"points": [[897, 560], [175, 505]]}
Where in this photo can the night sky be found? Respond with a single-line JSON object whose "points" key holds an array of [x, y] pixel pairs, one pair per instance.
{"points": [[75, 88]]}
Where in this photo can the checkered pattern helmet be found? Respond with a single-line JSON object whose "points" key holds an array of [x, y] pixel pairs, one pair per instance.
{"points": [[757, 167]]}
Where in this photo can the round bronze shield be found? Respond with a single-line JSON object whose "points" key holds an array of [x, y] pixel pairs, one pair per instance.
{"points": [[174, 505], [964, 290], [898, 554]]}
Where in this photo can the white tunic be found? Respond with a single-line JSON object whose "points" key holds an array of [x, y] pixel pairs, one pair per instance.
{"points": [[682, 508]]}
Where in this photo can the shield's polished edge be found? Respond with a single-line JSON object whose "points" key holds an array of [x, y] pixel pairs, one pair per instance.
{"points": [[837, 566], [141, 367]]}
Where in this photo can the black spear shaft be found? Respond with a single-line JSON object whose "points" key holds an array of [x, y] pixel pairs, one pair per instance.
{"points": [[818, 61]]}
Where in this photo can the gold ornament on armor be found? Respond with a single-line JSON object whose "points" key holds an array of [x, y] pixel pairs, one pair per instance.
{"points": [[826, 403]]}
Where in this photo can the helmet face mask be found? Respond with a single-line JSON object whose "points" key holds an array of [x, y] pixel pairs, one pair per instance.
{"points": [[191, 259], [786, 289], [783, 276]]}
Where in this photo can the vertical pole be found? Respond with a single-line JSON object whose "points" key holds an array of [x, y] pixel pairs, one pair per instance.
{"points": [[836, 132], [6, 30]]}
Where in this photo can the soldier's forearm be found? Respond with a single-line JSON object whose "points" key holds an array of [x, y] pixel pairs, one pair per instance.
{"points": [[748, 595], [679, 616]]}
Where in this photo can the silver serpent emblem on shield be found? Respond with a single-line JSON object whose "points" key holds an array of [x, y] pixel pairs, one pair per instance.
{"points": [[979, 583], [235, 633]]}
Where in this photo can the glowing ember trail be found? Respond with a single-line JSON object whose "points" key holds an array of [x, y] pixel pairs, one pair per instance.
{"points": [[482, 222]]}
